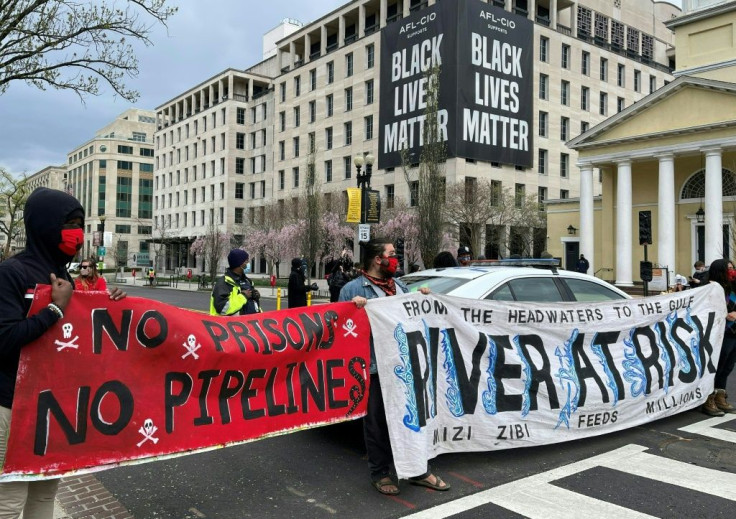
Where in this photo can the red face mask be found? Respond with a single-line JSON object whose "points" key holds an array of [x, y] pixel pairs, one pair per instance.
{"points": [[71, 241], [732, 275], [390, 265]]}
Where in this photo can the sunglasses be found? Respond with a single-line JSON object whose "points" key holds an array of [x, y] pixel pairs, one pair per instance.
{"points": [[83, 266]]}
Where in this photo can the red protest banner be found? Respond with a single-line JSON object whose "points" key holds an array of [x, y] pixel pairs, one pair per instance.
{"points": [[115, 381]]}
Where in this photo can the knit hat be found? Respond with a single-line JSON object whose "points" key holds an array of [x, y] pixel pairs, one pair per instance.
{"points": [[237, 258], [463, 251]]}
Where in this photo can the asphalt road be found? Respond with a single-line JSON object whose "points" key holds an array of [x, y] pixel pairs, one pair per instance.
{"points": [[657, 470]]}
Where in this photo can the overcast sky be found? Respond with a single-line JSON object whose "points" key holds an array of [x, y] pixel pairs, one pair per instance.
{"points": [[38, 128]]}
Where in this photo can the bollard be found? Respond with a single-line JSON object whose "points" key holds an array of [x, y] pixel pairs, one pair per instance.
{"points": [[309, 298], [278, 299]]}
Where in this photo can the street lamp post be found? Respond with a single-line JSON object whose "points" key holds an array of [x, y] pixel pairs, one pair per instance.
{"points": [[364, 182], [101, 257]]}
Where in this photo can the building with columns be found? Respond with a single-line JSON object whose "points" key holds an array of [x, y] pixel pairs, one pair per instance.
{"points": [[239, 141], [673, 154]]}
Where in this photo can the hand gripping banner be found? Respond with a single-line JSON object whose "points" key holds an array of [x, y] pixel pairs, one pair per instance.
{"points": [[462, 375], [137, 380]]}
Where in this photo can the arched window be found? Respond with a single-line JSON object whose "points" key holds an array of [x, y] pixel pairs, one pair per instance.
{"points": [[694, 188]]}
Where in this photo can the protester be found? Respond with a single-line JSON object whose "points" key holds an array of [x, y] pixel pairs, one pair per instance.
{"points": [[722, 272], [233, 293], [377, 280], [339, 276], [444, 259], [464, 256], [54, 225], [414, 268], [151, 275], [89, 279], [583, 265], [680, 283], [297, 285], [700, 276]]}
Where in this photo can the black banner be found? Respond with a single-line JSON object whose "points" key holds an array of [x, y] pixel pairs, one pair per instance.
{"points": [[370, 206], [486, 83]]}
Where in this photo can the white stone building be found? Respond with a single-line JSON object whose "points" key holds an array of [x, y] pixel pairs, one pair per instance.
{"points": [[240, 140]]}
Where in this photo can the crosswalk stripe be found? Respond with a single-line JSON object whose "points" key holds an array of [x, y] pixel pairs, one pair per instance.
{"points": [[535, 498], [673, 472], [708, 428]]}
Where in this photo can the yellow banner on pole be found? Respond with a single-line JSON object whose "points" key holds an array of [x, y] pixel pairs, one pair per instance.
{"points": [[353, 215]]}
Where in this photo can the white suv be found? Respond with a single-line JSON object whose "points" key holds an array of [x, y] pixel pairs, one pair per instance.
{"points": [[537, 281]]}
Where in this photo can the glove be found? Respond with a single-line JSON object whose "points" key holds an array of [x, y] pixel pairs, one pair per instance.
{"points": [[314, 286]]}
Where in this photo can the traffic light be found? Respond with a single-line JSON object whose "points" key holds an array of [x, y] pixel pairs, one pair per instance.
{"points": [[645, 227], [645, 271]]}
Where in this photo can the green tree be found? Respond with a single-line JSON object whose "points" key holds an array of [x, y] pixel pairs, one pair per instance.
{"points": [[14, 192], [313, 237], [430, 177], [72, 44]]}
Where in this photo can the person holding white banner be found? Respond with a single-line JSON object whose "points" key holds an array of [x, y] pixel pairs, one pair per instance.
{"points": [[722, 272], [377, 280]]}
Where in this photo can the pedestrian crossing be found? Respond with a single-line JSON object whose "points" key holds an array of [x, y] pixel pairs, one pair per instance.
{"points": [[537, 497]]}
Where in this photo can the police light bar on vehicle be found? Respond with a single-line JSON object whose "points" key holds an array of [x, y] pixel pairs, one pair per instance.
{"points": [[517, 262]]}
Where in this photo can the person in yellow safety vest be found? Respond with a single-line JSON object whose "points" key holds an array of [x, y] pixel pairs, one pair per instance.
{"points": [[233, 293]]}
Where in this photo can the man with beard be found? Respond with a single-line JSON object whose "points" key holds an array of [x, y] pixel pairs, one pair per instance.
{"points": [[377, 280], [54, 223]]}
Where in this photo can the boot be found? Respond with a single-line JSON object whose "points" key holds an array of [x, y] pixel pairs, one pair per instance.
{"points": [[722, 403], [710, 408]]}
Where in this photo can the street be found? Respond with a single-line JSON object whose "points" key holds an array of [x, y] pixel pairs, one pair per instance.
{"points": [[682, 466]]}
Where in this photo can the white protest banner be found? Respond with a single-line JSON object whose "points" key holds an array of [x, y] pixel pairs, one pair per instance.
{"points": [[461, 375]]}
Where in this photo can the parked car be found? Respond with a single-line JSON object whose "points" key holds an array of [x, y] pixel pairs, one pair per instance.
{"points": [[539, 281], [73, 267]]}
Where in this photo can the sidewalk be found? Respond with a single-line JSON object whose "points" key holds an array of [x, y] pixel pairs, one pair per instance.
{"points": [[322, 295]]}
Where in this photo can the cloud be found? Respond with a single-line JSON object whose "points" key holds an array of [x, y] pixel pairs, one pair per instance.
{"points": [[38, 128]]}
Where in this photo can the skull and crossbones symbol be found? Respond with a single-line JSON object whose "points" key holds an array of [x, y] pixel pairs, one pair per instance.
{"points": [[350, 328], [148, 430], [191, 347], [67, 330]]}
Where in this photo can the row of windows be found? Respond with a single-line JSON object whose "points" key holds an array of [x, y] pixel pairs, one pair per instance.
{"points": [[169, 138], [603, 67], [370, 61], [329, 138], [329, 106], [189, 218], [565, 96], [543, 163]]}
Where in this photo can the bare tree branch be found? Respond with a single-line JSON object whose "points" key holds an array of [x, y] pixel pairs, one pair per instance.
{"points": [[70, 45]]}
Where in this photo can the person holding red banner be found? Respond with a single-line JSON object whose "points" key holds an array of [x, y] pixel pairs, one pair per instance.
{"points": [[89, 278], [377, 280], [54, 223]]}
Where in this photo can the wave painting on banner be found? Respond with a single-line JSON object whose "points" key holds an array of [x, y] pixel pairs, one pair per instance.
{"points": [[462, 375], [139, 380]]}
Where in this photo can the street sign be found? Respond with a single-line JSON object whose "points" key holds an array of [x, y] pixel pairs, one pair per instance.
{"points": [[101, 251], [364, 232]]}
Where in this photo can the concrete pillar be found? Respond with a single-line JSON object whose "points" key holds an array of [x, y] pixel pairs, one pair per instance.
{"points": [[666, 223], [340, 31], [553, 14], [361, 20], [532, 7], [713, 205], [623, 225], [587, 238], [382, 14]]}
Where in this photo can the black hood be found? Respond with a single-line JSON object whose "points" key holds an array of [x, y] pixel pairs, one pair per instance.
{"points": [[45, 212]]}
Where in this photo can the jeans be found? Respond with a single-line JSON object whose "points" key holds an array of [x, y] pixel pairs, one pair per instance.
{"points": [[34, 498], [726, 360]]}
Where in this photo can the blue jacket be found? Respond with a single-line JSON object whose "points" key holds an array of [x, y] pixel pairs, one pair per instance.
{"points": [[361, 286]]}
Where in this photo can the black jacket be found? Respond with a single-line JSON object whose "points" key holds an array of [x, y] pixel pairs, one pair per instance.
{"points": [[45, 212], [297, 288]]}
